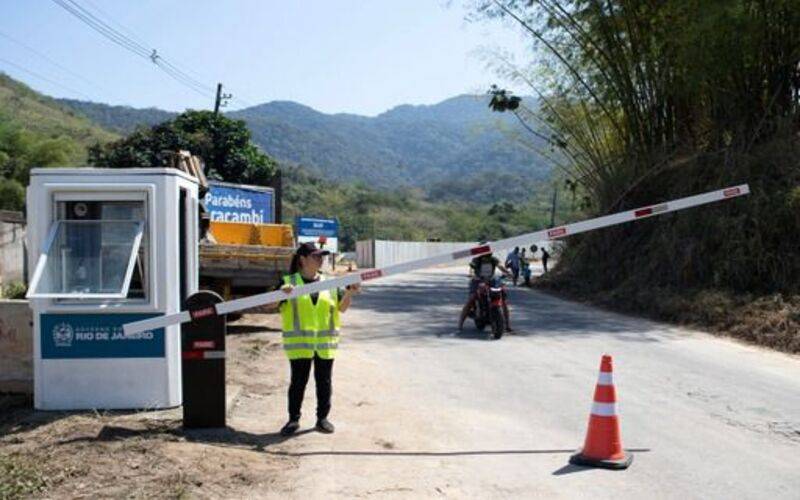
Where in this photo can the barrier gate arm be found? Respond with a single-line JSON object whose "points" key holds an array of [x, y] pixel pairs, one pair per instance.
{"points": [[404, 267]]}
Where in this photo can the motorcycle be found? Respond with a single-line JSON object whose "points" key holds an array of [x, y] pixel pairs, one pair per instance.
{"points": [[488, 307]]}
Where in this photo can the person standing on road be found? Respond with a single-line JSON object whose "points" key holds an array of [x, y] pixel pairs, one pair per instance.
{"points": [[512, 263], [545, 256], [525, 268], [311, 334]]}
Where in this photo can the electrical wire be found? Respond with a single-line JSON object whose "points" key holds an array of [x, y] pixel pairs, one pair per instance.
{"points": [[44, 78], [179, 72], [138, 48], [51, 61]]}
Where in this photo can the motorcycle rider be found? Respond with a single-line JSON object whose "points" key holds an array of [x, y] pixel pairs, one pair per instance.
{"points": [[482, 268]]}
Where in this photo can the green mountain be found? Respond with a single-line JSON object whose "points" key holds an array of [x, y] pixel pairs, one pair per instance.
{"points": [[45, 117], [416, 146], [457, 149], [37, 131], [121, 119]]}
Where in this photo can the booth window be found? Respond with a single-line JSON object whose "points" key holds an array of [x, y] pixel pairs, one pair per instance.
{"points": [[94, 250]]}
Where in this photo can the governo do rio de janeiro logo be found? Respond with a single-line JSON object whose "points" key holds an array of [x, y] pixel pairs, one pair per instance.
{"points": [[63, 335]]}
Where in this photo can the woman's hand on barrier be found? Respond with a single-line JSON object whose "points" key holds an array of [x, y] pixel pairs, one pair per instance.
{"points": [[354, 289], [287, 289]]}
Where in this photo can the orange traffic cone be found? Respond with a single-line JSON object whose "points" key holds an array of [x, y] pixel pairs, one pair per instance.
{"points": [[603, 446]]}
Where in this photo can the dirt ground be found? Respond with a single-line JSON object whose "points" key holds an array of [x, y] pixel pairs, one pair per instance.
{"points": [[148, 454], [425, 411]]}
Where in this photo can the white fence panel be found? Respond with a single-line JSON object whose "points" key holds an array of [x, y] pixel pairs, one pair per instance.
{"points": [[382, 253]]}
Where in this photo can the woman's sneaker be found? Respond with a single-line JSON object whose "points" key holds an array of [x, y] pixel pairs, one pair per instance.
{"points": [[290, 428], [324, 425]]}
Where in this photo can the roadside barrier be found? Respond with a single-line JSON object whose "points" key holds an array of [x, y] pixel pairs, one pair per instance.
{"points": [[404, 267]]}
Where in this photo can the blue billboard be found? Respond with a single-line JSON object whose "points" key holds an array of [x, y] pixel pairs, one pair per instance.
{"points": [[240, 203], [313, 226], [319, 230]]}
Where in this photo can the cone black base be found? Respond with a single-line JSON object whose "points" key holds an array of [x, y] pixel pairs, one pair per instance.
{"points": [[622, 463]]}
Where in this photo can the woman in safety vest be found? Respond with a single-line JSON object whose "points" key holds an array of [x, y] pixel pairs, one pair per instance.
{"points": [[311, 334]]}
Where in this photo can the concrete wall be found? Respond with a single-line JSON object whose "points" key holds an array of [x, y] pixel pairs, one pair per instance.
{"points": [[12, 247], [16, 347]]}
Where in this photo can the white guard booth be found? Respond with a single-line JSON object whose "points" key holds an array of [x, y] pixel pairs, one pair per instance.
{"points": [[109, 246]]}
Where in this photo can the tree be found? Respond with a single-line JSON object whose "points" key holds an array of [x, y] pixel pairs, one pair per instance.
{"points": [[21, 150], [12, 195], [655, 100], [223, 144]]}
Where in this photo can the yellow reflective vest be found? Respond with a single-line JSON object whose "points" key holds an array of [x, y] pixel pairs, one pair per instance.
{"points": [[309, 327]]}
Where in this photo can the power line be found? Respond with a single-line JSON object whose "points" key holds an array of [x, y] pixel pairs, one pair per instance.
{"points": [[133, 46], [130, 32], [51, 61], [187, 75], [143, 47], [125, 38], [41, 77], [183, 74], [110, 34], [180, 78]]}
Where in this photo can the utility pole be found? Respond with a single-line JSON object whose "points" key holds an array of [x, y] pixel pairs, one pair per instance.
{"points": [[222, 99], [553, 208]]}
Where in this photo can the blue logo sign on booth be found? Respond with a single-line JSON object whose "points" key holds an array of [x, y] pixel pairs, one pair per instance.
{"points": [[239, 203], [74, 336]]}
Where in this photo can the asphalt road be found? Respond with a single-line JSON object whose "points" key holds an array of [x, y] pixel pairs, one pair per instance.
{"points": [[423, 411]]}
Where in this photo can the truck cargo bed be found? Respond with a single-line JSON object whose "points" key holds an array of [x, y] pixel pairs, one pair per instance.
{"points": [[244, 265]]}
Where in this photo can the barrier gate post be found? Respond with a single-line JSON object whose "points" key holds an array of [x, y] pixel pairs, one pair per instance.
{"points": [[203, 363]]}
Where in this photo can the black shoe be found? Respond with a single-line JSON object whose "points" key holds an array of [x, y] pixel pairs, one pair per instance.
{"points": [[290, 428], [324, 425]]}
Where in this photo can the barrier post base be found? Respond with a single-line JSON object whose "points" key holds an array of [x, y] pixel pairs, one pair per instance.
{"points": [[203, 363]]}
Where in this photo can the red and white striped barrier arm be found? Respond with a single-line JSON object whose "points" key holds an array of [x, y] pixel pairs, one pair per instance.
{"points": [[404, 267]]}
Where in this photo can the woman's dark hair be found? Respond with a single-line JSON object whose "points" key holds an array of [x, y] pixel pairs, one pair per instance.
{"points": [[294, 267]]}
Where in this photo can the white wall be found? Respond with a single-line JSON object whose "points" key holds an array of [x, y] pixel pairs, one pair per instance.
{"points": [[382, 253]]}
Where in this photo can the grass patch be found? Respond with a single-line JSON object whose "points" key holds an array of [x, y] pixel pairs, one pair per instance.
{"points": [[771, 320], [19, 476]]}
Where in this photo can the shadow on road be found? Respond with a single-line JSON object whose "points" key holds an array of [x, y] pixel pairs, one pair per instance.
{"points": [[569, 469], [243, 329], [226, 436], [229, 437], [431, 303], [466, 453]]}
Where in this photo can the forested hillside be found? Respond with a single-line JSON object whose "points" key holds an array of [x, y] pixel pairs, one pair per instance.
{"points": [[411, 145], [36, 131], [660, 100], [456, 149], [121, 119]]}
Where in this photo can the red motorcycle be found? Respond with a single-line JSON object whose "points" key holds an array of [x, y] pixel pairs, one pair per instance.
{"points": [[488, 308]]}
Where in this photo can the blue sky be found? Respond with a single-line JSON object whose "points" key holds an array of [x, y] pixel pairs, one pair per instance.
{"points": [[337, 55]]}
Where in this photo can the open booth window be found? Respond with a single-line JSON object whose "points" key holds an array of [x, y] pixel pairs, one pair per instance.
{"points": [[94, 250]]}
